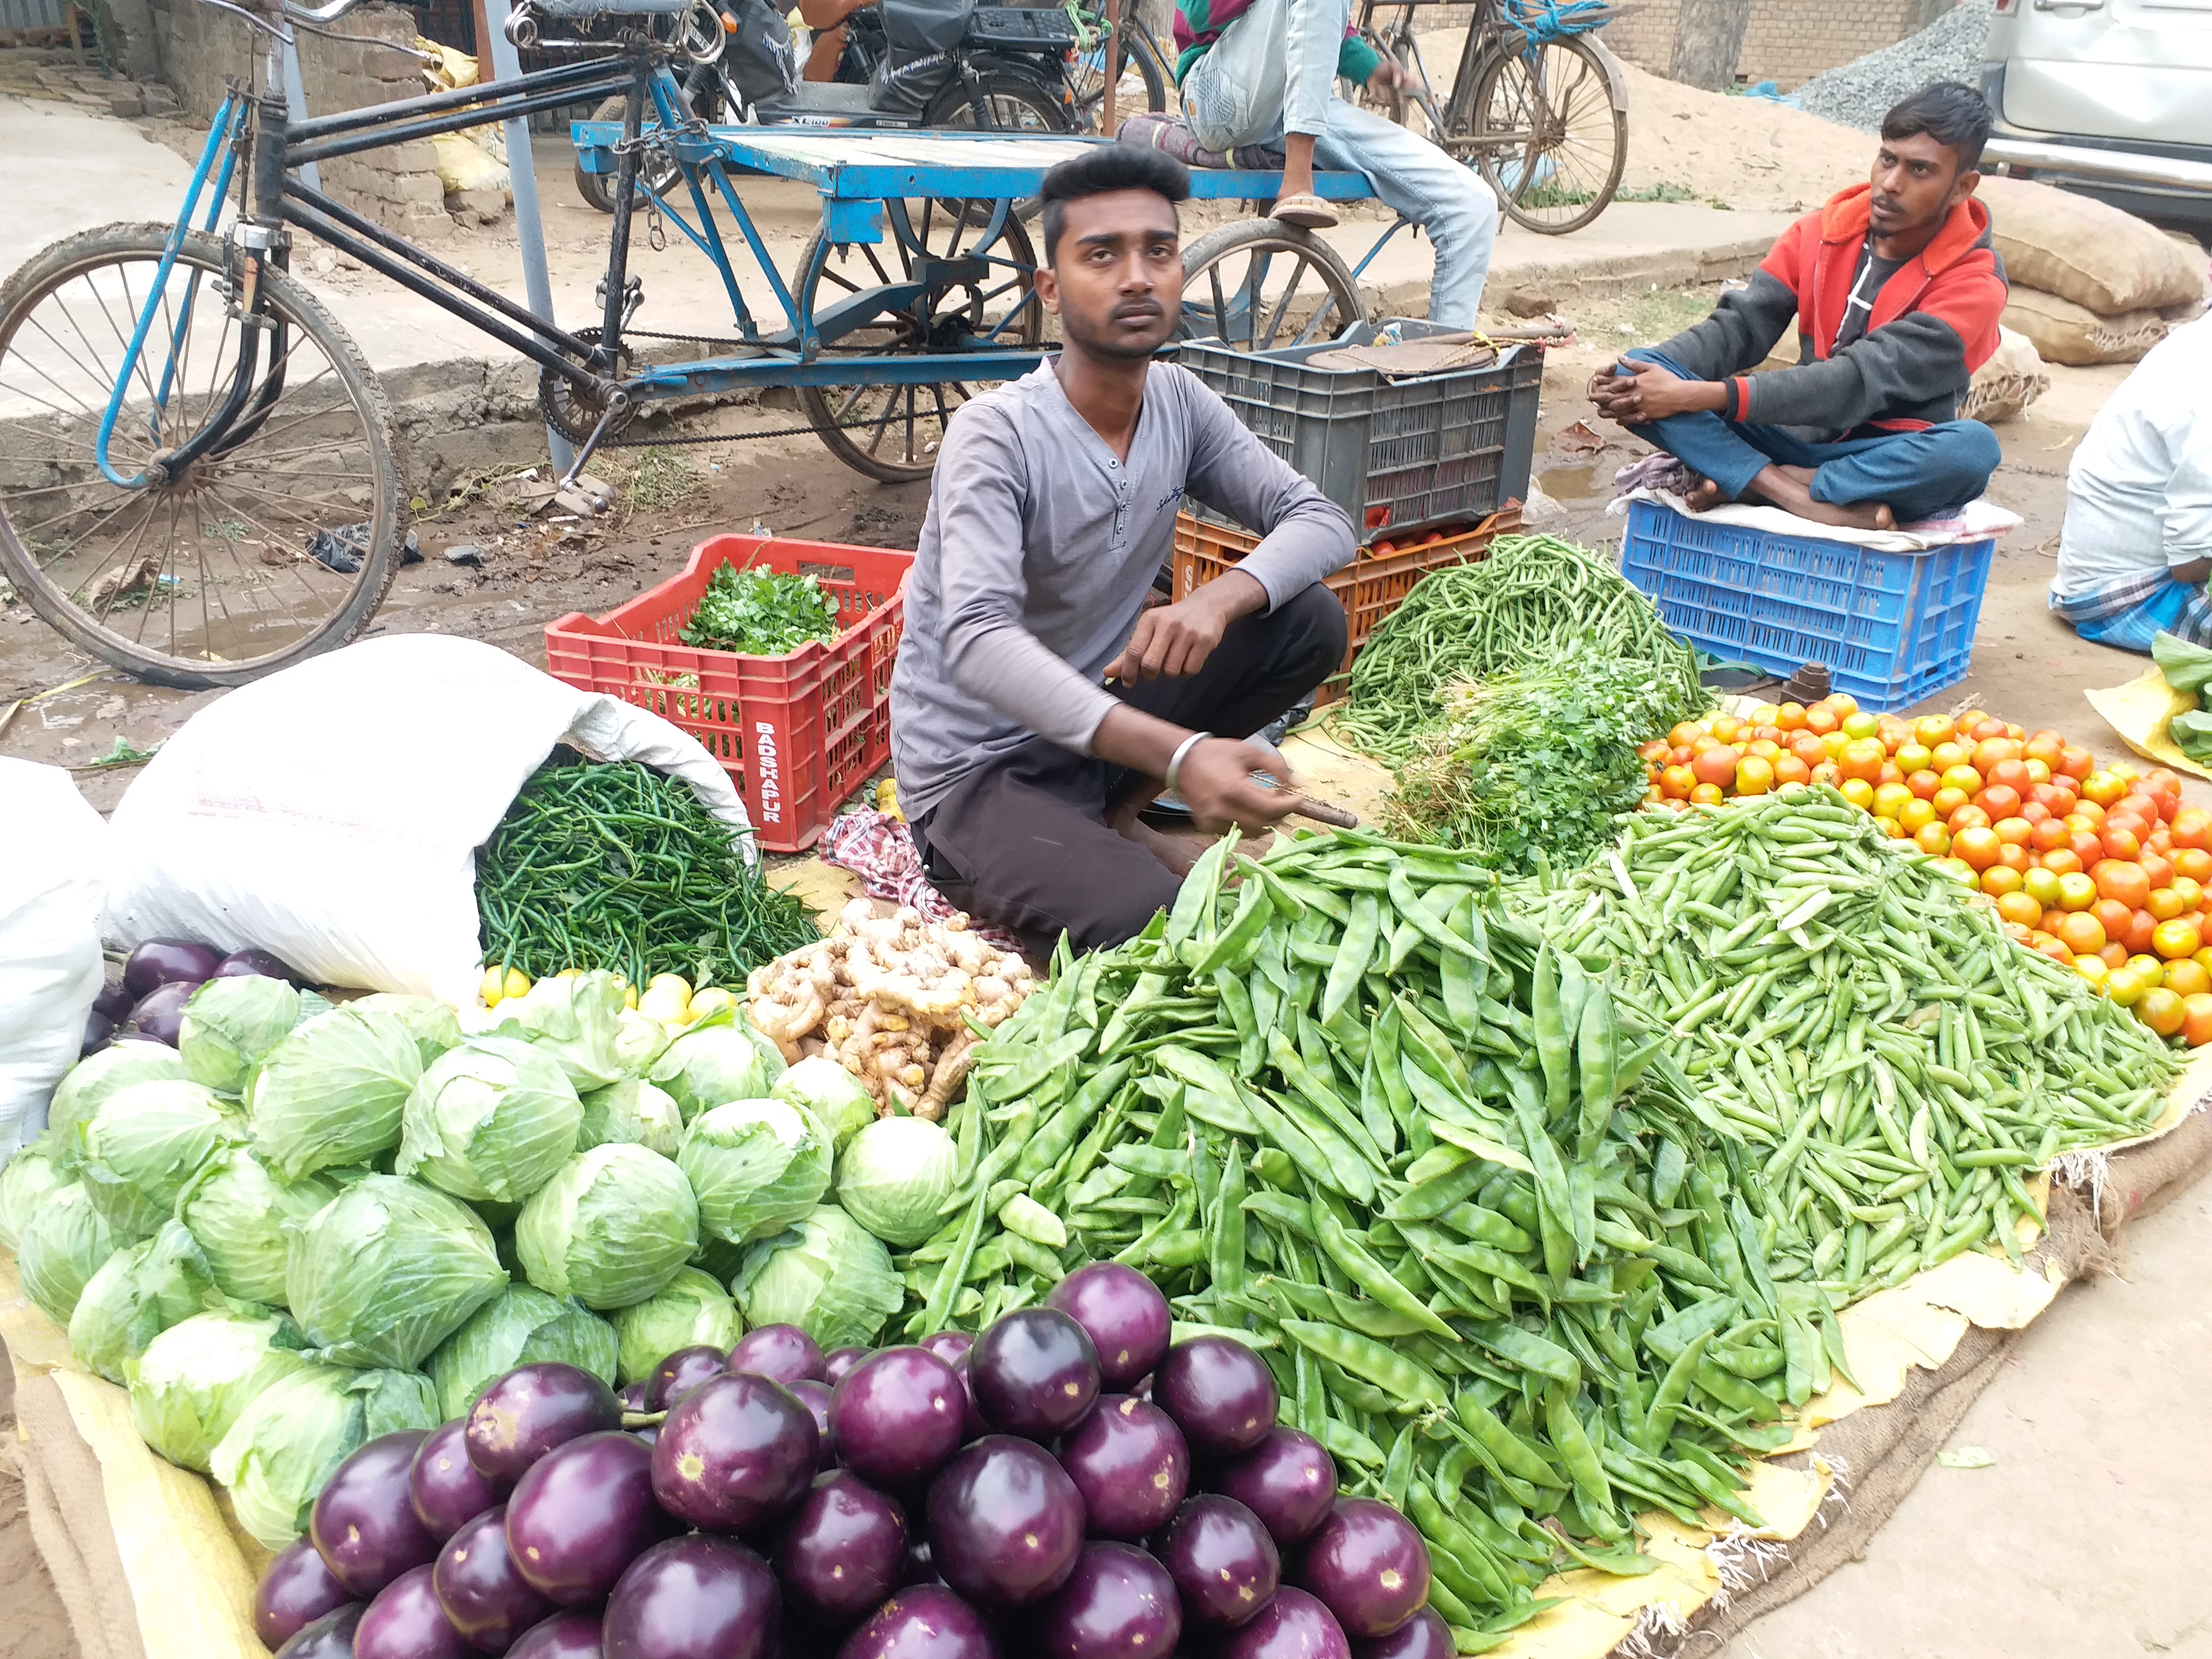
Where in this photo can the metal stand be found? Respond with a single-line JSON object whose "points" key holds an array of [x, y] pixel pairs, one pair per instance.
{"points": [[295, 100], [522, 173]]}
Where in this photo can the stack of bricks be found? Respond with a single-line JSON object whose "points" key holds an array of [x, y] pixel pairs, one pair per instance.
{"points": [[1788, 42], [397, 185]]}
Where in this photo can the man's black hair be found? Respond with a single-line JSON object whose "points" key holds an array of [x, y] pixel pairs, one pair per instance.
{"points": [[1952, 113], [1103, 168]]}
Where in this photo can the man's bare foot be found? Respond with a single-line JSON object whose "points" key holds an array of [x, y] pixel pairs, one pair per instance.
{"points": [[1703, 495], [1177, 853], [1790, 489]]}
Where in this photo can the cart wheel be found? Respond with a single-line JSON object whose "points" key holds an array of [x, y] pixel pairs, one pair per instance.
{"points": [[277, 543], [1260, 284], [1547, 137], [599, 188], [894, 432]]}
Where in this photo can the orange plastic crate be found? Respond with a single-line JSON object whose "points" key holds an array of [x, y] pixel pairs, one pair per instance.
{"points": [[1370, 587], [798, 733]]}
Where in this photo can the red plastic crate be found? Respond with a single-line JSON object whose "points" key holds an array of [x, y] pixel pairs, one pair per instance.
{"points": [[1371, 586], [798, 733]]}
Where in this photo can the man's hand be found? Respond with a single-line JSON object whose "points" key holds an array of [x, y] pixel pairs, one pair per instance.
{"points": [[1174, 640], [1635, 393], [1393, 82], [1216, 784]]}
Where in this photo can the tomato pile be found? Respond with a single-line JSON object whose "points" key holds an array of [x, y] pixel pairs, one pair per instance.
{"points": [[2100, 868]]}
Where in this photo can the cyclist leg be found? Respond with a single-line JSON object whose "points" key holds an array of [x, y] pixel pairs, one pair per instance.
{"points": [[1447, 198], [1234, 94]]}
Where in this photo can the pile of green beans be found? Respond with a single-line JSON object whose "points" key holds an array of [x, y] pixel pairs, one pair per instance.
{"points": [[619, 866], [1355, 1113], [1886, 1065], [1526, 604]]}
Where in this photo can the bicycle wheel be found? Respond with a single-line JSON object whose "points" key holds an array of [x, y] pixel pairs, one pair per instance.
{"points": [[1086, 82], [894, 432], [1258, 284], [1547, 137], [278, 543]]}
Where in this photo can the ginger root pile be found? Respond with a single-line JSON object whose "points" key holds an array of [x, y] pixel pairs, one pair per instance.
{"points": [[894, 999]]}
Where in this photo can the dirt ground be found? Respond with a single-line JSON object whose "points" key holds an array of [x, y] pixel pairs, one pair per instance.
{"points": [[32, 1623]]}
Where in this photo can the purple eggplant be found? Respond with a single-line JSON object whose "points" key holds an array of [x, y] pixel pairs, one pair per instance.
{"points": [[632, 1395], [1119, 1603], [1124, 1314], [782, 1353], [815, 1397], [841, 1551], [159, 1014], [570, 1635], [98, 1032], [897, 1416], [1004, 1521], [582, 1514], [406, 1622], [1220, 1393], [329, 1637], [972, 1425], [445, 1487], [1035, 1373], [114, 1001], [680, 1372], [476, 1583], [1425, 1636], [1288, 1480], [927, 1621], [1129, 1462], [734, 1453], [1294, 1626], [297, 1589], [1221, 1559], [364, 1523], [1368, 1565], [838, 1361], [168, 961], [532, 1409], [949, 1346], [694, 1598], [242, 964]]}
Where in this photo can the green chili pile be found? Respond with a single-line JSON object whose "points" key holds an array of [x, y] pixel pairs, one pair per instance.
{"points": [[1890, 1066], [620, 867], [1357, 1115], [1531, 601]]}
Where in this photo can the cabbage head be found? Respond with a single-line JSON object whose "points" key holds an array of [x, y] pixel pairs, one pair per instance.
{"points": [[331, 1092], [195, 1378], [895, 1176], [238, 1209], [229, 1023], [492, 1119], [435, 1025], [757, 1166], [710, 1067], [830, 1276], [25, 1181], [639, 1040], [387, 1270], [65, 1241], [575, 1022], [633, 1111], [692, 1309], [292, 1437], [519, 1327], [772, 1060], [142, 1291], [613, 1227], [831, 1093], [92, 1079], [141, 1145]]}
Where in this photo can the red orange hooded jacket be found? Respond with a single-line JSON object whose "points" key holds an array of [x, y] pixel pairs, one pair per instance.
{"points": [[1935, 322]]}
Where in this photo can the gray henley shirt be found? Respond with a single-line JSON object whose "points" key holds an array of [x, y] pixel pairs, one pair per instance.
{"points": [[1039, 547]]}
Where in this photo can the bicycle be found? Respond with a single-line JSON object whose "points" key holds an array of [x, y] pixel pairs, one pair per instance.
{"points": [[1135, 50], [1537, 103]]}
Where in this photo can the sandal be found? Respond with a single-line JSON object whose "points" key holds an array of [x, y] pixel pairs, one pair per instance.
{"points": [[1305, 212]]}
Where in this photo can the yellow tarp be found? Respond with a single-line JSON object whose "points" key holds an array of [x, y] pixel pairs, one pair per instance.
{"points": [[2139, 710]]}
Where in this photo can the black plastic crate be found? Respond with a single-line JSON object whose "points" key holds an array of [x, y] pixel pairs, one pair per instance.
{"points": [[1395, 455]]}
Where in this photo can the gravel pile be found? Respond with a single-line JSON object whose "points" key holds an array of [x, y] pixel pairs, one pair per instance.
{"points": [[1862, 91]]}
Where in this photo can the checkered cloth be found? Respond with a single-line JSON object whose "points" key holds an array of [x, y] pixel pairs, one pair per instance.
{"points": [[2130, 611], [876, 848]]}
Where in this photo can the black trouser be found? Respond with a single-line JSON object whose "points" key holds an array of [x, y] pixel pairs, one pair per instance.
{"points": [[1025, 841]]}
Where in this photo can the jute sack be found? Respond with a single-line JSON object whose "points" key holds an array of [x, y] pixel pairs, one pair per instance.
{"points": [[2086, 251], [2011, 380], [2064, 332]]}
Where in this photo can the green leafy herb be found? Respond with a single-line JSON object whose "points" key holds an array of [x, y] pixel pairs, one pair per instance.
{"points": [[761, 613]]}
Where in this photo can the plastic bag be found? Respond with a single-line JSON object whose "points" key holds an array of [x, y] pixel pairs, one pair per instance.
{"points": [[331, 814], [52, 848]]}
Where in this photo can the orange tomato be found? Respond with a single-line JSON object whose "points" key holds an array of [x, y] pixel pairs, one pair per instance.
{"points": [[2040, 884], [1835, 743], [2012, 774], [1754, 775], [2055, 949], [1934, 838], [1676, 782], [2175, 938], [1773, 734], [1889, 798], [2001, 879], [2157, 871], [1889, 773], [1993, 752], [2088, 847], [2151, 968], [2019, 908], [2103, 788], [2048, 835], [1912, 757], [2142, 933], [1843, 702], [2014, 856], [1863, 757], [1968, 817], [2119, 879], [1998, 801], [1707, 795], [2161, 1009], [1825, 772], [1984, 727], [2046, 746], [2191, 891], [2074, 763], [2063, 860], [2165, 904], [1683, 733], [2091, 967], [2036, 771], [1725, 728], [1947, 801], [1962, 778], [1791, 769], [2114, 917], [1822, 718], [1862, 724], [2034, 811], [1915, 813], [2083, 934], [2197, 1019], [2121, 843], [2159, 843], [1765, 748], [1976, 843], [1925, 783], [2060, 800], [1958, 871], [2125, 987], [1932, 729], [2187, 977], [1808, 748], [2013, 832], [1945, 755], [1717, 766], [2086, 808], [1887, 826], [2193, 828], [2115, 954], [1859, 793], [2076, 891], [1655, 752], [1790, 717]]}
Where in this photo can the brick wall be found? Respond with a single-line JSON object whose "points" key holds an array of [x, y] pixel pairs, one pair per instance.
{"points": [[1789, 42], [197, 46]]}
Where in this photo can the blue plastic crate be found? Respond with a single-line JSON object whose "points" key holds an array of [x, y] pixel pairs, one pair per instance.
{"points": [[1893, 627]]}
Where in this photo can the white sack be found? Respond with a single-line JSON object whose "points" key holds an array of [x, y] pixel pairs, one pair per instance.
{"points": [[52, 849], [331, 814]]}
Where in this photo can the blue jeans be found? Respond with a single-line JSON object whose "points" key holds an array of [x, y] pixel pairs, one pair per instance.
{"points": [[1273, 72], [1921, 475]]}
